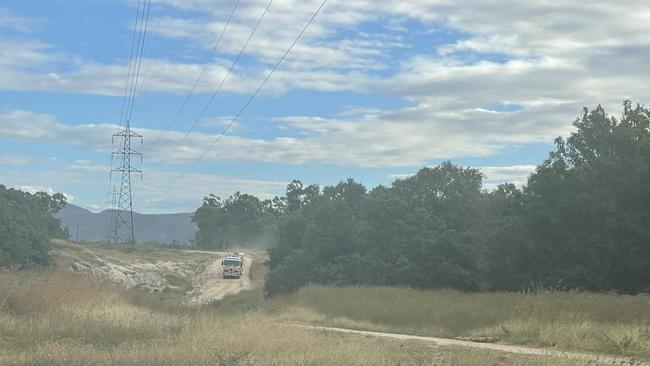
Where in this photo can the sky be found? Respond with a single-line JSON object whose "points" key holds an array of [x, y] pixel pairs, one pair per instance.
{"points": [[374, 90]]}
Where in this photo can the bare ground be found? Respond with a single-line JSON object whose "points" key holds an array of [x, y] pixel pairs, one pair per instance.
{"points": [[211, 286]]}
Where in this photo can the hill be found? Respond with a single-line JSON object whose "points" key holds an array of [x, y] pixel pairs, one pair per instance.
{"points": [[163, 228]]}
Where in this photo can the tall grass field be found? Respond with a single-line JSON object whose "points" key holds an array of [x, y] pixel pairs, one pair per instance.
{"points": [[602, 323], [56, 318]]}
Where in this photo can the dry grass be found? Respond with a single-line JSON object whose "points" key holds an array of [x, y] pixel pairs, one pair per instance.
{"points": [[33, 293], [54, 318], [68, 329], [473, 357], [593, 322]]}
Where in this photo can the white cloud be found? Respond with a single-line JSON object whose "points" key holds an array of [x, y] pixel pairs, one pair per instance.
{"points": [[495, 175], [407, 137], [93, 207], [508, 173], [218, 122], [316, 62], [89, 166], [16, 160], [516, 174], [21, 53], [35, 189], [27, 126], [555, 51], [102, 79], [8, 20], [20, 160], [186, 194], [151, 195]]}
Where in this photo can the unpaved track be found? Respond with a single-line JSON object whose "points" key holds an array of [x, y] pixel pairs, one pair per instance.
{"points": [[150, 269], [532, 351], [212, 286]]}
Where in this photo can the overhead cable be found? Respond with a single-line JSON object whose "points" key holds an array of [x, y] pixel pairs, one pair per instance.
{"points": [[223, 81], [198, 79], [250, 99]]}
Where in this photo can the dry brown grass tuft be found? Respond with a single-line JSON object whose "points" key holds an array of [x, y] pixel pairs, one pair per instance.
{"points": [[29, 293]]}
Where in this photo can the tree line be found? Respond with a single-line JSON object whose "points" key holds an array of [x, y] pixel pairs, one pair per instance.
{"points": [[582, 221], [26, 226]]}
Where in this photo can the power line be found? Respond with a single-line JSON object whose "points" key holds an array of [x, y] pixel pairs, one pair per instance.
{"points": [[128, 73], [223, 81], [198, 79], [251, 98], [143, 30], [154, 42]]}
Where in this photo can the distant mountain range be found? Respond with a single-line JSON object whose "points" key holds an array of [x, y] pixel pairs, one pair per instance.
{"points": [[162, 228]]}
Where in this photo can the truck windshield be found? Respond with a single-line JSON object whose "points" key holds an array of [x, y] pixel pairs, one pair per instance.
{"points": [[231, 263]]}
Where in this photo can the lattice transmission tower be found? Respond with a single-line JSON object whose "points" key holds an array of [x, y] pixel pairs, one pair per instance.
{"points": [[122, 228], [111, 205], [122, 221]]}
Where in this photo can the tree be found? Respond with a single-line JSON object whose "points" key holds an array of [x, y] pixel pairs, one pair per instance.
{"points": [[509, 259], [446, 190], [588, 204], [211, 221], [399, 235], [348, 191], [26, 225], [223, 223], [298, 195]]}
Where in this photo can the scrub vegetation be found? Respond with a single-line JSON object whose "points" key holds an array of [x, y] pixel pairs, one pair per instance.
{"points": [[601, 323], [54, 318], [26, 225]]}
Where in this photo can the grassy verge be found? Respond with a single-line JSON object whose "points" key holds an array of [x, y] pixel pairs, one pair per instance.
{"points": [[592, 322], [55, 318]]}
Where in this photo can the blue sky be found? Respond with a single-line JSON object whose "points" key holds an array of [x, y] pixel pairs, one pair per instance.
{"points": [[374, 90]]}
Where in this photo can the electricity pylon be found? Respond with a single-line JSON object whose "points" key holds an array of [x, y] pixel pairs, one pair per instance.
{"points": [[123, 230], [111, 205]]}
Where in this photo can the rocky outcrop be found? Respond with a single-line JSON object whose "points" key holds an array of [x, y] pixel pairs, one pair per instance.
{"points": [[137, 274]]}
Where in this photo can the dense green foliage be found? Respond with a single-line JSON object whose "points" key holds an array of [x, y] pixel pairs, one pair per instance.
{"points": [[226, 223], [581, 222], [26, 225], [588, 205], [243, 220]]}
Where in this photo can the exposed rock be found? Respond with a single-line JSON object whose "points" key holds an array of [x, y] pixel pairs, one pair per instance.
{"points": [[150, 276]]}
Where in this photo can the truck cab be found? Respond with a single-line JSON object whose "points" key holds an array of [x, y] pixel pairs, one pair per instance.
{"points": [[233, 266]]}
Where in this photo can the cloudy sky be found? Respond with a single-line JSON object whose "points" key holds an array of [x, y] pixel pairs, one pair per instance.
{"points": [[374, 90]]}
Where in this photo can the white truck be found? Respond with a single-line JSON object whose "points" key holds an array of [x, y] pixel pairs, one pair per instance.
{"points": [[233, 265]]}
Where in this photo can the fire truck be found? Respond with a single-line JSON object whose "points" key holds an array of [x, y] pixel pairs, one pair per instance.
{"points": [[233, 265]]}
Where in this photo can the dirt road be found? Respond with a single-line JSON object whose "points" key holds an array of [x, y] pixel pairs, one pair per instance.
{"points": [[211, 286], [153, 268], [589, 357]]}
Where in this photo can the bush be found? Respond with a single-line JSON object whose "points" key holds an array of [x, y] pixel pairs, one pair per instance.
{"points": [[26, 225]]}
